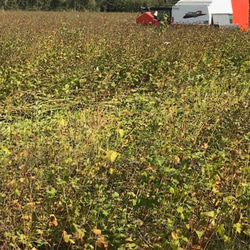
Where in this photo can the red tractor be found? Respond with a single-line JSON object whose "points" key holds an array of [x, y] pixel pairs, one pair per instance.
{"points": [[153, 15]]}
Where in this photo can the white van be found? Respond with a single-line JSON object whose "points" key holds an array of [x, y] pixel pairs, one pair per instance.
{"points": [[202, 12]]}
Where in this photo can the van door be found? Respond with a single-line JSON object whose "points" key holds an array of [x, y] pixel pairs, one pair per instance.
{"points": [[221, 19]]}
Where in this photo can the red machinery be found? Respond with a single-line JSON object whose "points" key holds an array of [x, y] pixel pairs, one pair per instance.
{"points": [[147, 18], [241, 13], [154, 19]]}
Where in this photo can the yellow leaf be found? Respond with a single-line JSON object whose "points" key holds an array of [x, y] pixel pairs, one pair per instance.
{"points": [[238, 227], [209, 214], [180, 210], [226, 238], [111, 170], [39, 232], [221, 229], [112, 155], [79, 235], [176, 159], [121, 132], [6, 150], [196, 247], [199, 234], [62, 122], [129, 239], [31, 204], [97, 231], [67, 238], [174, 235], [171, 190]]}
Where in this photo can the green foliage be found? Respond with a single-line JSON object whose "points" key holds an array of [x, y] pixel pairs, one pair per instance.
{"points": [[118, 136], [165, 22], [80, 5]]}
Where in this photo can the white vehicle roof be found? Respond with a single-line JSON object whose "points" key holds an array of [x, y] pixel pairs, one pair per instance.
{"points": [[215, 6], [194, 2]]}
